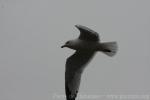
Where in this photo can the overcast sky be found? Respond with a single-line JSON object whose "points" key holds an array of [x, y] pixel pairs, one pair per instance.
{"points": [[32, 64]]}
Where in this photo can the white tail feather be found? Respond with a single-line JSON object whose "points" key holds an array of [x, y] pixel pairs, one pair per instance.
{"points": [[109, 48]]}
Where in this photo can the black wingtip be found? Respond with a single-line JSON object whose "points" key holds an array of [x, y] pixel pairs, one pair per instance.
{"points": [[69, 96], [78, 26]]}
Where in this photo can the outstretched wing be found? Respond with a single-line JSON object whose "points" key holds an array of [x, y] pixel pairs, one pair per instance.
{"points": [[74, 67], [87, 34]]}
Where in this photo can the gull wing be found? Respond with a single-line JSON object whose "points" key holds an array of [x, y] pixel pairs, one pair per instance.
{"points": [[74, 67], [87, 34]]}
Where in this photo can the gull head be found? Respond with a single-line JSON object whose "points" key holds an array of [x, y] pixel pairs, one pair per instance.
{"points": [[68, 44]]}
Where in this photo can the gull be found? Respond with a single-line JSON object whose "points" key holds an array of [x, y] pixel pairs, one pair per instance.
{"points": [[85, 46]]}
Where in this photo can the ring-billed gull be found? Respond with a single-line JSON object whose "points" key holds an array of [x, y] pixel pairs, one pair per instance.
{"points": [[86, 45]]}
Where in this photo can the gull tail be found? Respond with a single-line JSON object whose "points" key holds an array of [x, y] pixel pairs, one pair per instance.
{"points": [[108, 48]]}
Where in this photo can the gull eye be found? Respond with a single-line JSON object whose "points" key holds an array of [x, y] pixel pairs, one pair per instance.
{"points": [[67, 42]]}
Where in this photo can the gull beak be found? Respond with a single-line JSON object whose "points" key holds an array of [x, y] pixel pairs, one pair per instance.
{"points": [[63, 46]]}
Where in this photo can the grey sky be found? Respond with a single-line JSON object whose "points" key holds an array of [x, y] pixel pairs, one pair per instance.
{"points": [[32, 64]]}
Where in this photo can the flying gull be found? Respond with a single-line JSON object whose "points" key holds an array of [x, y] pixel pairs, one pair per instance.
{"points": [[86, 45]]}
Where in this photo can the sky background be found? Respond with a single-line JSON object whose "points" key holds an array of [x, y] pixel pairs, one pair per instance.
{"points": [[32, 64]]}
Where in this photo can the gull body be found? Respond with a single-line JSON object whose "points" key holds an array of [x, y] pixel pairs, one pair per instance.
{"points": [[78, 44]]}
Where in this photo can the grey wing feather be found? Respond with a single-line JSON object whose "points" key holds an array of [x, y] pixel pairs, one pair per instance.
{"points": [[74, 67], [87, 34]]}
